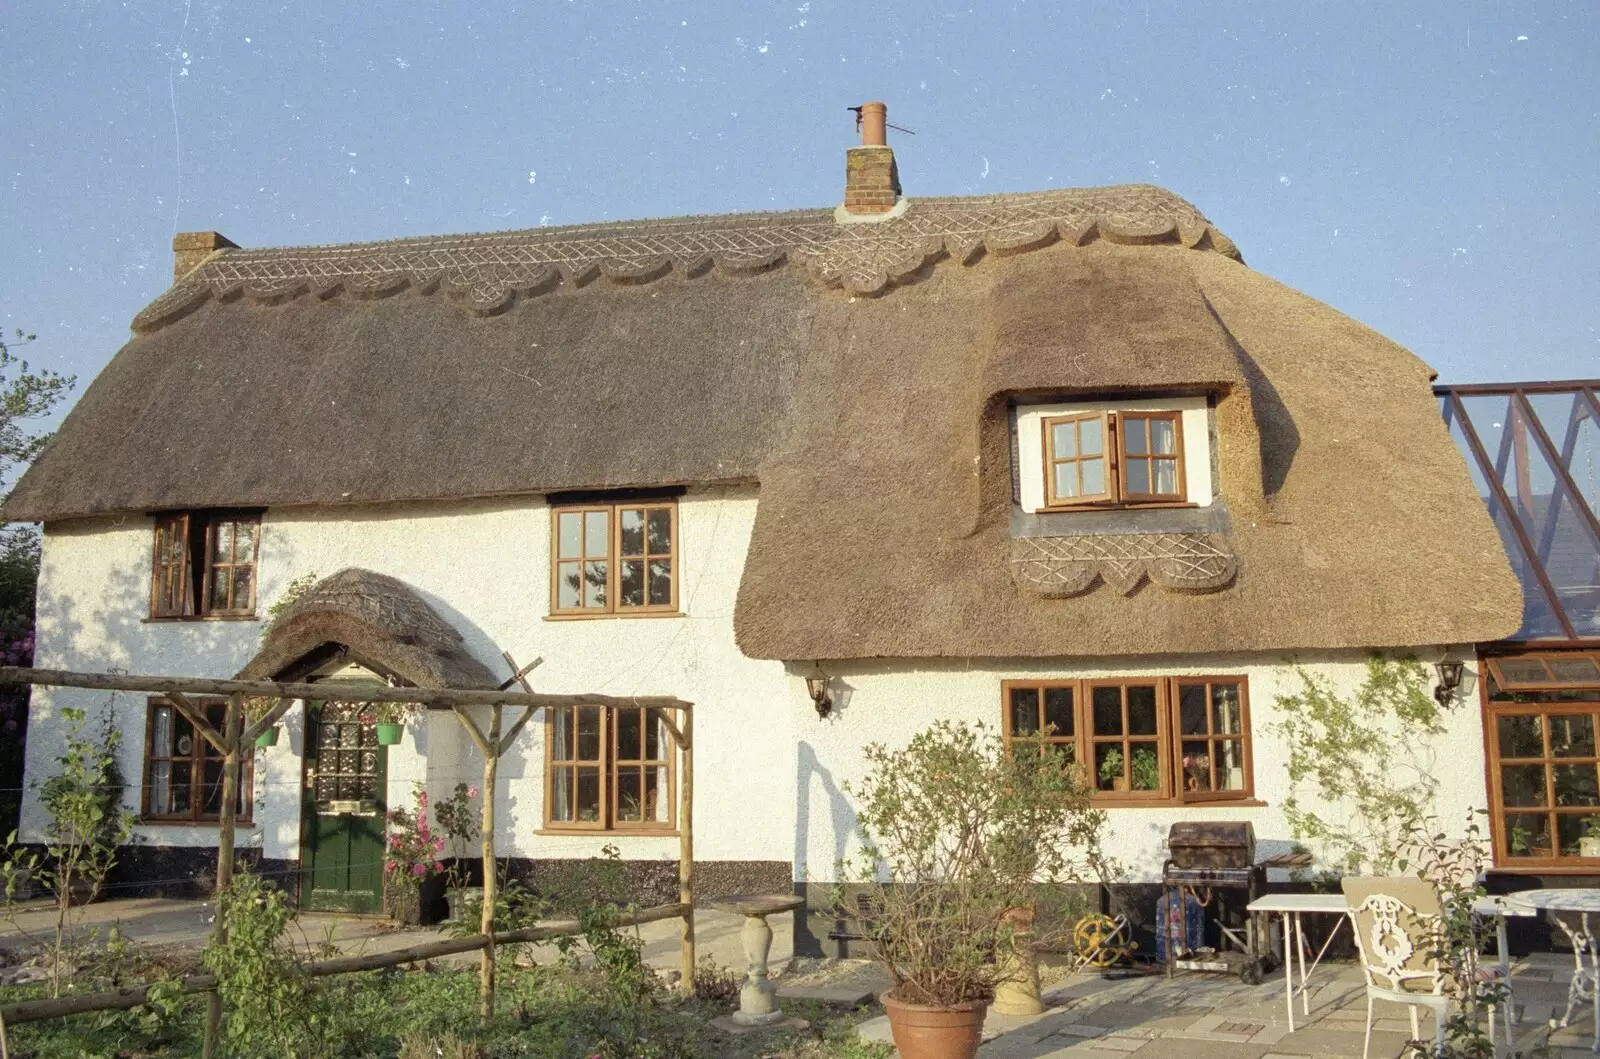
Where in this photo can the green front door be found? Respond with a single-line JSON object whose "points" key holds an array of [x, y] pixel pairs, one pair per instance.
{"points": [[344, 809]]}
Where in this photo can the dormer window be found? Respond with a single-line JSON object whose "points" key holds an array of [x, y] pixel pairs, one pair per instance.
{"points": [[1102, 454]]}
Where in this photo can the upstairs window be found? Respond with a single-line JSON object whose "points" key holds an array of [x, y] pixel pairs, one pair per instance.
{"points": [[611, 560], [1114, 457], [205, 565]]}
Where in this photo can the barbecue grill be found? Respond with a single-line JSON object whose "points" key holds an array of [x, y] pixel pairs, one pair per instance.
{"points": [[1214, 864]]}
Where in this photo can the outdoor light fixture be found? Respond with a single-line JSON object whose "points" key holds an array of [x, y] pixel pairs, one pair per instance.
{"points": [[821, 696], [1449, 682]]}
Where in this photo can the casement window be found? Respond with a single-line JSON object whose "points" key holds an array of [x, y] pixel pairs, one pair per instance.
{"points": [[1150, 741], [608, 770], [1112, 457], [1542, 713], [205, 565], [614, 559], [183, 772]]}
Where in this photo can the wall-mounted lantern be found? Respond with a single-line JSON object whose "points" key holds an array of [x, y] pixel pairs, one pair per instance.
{"points": [[1449, 682], [821, 693]]}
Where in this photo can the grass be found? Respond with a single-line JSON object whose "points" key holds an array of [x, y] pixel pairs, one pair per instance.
{"points": [[543, 1013]]}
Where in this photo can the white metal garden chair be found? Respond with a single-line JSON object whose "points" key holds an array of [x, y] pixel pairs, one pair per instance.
{"points": [[1397, 924]]}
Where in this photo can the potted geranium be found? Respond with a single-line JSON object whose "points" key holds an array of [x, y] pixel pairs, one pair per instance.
{"points": [[411, 862], [965, 836]]}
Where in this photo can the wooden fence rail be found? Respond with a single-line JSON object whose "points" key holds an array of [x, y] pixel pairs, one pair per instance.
{"points": [[133, 996]]}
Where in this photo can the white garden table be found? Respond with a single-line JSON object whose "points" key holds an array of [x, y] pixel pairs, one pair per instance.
{"points": [[1293, 906], [1585, 949]]}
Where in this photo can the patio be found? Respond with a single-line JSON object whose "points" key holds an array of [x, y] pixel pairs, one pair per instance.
{"points": [[1211, 1017]]}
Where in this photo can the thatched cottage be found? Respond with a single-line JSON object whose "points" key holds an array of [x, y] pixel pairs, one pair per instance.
{"points": [[1053, 458]]}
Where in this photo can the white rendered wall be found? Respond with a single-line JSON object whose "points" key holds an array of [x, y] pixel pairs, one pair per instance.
{"points": [[485, 568], [888, 704]]}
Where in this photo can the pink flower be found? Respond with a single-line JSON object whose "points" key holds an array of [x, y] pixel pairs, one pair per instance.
{"points": [[390, 865], [418, 870], [472, 792], [422, 799], [438, 845]]}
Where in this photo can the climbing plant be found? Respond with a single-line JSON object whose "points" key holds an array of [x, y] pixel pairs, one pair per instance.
{"points": [[1361, 775]]}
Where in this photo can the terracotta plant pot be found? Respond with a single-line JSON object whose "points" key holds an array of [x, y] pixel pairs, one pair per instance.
{"points": [[922, 1032], [389, 734]]}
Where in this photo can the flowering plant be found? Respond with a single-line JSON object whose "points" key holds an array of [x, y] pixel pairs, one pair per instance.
{"points": [[458, 819], [1197, 768], [389, 712], [413, 852]]}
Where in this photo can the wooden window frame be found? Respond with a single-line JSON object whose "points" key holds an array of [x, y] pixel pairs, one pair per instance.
{"points": [[195, 535], [196, 759], [1245, 739], [1553, 684], [608, 764], [1114, 452], [614, 558], [1168, 739]]}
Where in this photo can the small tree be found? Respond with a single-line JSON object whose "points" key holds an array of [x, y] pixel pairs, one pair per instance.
{"points": [[1367, 759], [962, 833]]}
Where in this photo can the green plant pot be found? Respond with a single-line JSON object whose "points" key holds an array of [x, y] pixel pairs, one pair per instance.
{"points": [[269, 737], [389, 734]]}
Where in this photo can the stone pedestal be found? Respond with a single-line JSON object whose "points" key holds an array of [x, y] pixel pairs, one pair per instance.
{"points": [[757, 1003]]}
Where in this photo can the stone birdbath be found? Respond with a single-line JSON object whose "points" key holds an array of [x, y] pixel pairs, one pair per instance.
{"points": [[756, 1004]]}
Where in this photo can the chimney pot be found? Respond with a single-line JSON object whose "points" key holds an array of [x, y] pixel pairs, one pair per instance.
{"points": [[874, 118], [189, 249]]}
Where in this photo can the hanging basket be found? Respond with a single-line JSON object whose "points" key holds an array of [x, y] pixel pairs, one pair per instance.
{"points": [[268, 737], [389, 734]]}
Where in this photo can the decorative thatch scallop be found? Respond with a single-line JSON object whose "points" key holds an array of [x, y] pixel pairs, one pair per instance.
{"points": [[380, 622]]}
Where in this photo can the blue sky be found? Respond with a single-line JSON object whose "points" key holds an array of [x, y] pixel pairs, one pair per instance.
{"points": [[1430, 169]]}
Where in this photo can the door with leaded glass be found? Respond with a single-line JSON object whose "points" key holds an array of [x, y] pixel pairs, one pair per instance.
{"points": [[342, 844]]}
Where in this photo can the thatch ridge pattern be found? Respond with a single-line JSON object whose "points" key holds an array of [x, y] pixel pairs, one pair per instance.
{"points": [[1071, 565], [487, 273]]}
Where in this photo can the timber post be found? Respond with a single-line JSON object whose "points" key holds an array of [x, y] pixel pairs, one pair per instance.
{"points": [[686, 851], [491, 766], [232, 726]]}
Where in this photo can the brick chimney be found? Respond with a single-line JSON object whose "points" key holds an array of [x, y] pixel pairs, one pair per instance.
{"points": [[191, 248], [871, 181]]}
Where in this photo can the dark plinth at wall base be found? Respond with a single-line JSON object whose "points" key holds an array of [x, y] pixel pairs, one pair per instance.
{"points": [[181, 872]]}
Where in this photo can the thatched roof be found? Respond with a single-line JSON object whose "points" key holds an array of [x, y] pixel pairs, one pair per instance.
{"points": [[864, 375], [372, 619]]}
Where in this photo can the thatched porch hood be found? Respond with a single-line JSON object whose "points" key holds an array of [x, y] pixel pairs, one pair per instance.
{"points": [[863, 374]]}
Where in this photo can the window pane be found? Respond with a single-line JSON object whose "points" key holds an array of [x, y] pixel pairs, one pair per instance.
{"points": [[219, 589], [1107, 711], [1522, 784], [631, 591], [1225, 715], [1138, 476], [211, 790], [632, 527], [160, 787], [628, 735], [1569, 830], [1576, 785], [1196, 766], [1520, 736], [1163, 438], [630, 802], [1110, 770], [1524, 671], [561, 795], [1192, 709], [222, 541], [1089, 440], [1230, 764], [182, 791], [1575, 670], [588, 807], [1571, 735], [1066, 479], [655, 736], [1094, 477], [594, 584], [1166, 476], [1058, 711], [1528, 834], [161, 735], [1024, 711], [1144, 770], [1065, 439], [183, 737], [588, 733], [244, 540], [568, 586], [660, 582], [241, 587], [1142, 710], [657, 796], [1133, 435], [561, 735], [570, 535], [660, 530], [596, 534]]}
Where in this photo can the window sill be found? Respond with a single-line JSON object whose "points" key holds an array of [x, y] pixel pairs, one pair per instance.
{"points": [[156, 821], [1168, 803], [600, 832], [1061, 509], [613, 615], [198, 617], [1564, 867]]}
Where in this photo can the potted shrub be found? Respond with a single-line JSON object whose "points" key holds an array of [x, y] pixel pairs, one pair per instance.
{"points": [[963, 838], [1111, 771], [458, 818], [412, 882]]}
